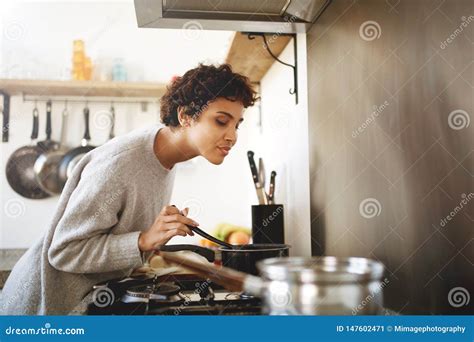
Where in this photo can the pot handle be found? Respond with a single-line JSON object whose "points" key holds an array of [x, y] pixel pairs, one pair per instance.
{"points": [[203, 251]]}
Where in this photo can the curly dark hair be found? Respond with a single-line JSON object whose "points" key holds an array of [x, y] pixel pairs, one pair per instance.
{"points": [[201, 85]]}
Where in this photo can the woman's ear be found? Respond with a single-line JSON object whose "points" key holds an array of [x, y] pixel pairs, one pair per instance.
{"points": [[184, 120]]}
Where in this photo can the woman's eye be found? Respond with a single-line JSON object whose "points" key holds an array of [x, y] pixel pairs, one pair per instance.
{"points": [[222, 123]]}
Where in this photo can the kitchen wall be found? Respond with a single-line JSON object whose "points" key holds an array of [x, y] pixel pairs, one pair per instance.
{"points": [[275, 128], [37, 43], [392, 163], [284, 143]]}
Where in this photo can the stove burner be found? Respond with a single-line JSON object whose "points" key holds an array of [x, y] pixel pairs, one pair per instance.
{"points": [[164, 292], [245, 295], [175, 295]]}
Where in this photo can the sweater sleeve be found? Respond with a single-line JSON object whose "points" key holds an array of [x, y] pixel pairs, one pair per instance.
{"points": [[83, 241]]}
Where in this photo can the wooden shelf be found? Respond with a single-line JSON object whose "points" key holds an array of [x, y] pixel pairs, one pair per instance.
{"points": [[249, 56], [81, 88]]}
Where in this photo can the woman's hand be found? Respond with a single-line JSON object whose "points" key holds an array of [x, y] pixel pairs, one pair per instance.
{"points": [[170, 222]]}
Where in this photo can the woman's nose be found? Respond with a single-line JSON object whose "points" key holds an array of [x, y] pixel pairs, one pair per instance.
{"points": [[231, 136]]}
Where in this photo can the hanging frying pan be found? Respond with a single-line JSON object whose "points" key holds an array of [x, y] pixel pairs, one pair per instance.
{"points": [[48, 144], [20, 166], [72, 157], [47, 165]]}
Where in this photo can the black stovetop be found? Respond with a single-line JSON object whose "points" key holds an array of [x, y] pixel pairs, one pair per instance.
{"points": [[169, 295]]}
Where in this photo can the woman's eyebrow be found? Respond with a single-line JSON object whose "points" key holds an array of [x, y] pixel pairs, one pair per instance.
{"points": [[228, 114]]}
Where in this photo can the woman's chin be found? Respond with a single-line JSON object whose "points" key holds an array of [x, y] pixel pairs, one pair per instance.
{"points": [[213, 159]]}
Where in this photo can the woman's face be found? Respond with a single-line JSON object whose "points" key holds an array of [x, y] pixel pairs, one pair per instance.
{"points": [[214, 131]]}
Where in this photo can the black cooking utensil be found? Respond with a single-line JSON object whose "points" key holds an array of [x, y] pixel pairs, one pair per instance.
{"points": [[262, 196], [210, 237]]}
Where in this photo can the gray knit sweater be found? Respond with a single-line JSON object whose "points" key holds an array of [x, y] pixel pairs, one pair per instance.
{"points": [[116, 191]]}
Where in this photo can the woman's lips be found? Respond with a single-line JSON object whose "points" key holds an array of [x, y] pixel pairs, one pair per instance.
{"points": [[224, 150]]}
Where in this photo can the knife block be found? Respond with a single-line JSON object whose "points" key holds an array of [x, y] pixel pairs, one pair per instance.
{"points": [[268, 223]]}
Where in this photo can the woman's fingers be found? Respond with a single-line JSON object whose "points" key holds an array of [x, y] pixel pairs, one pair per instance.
{"points": [[180, 218], [169, 210], [177, 225], [176, 231]]}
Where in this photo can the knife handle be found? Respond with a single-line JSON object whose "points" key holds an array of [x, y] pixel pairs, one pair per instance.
{"points": [[271, 192], [253, 168]]}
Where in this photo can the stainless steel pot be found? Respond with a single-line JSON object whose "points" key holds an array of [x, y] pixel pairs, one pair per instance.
{"points": [[302, 286], [321, 286]]}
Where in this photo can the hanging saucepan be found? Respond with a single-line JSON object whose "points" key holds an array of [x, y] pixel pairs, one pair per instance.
{"points": [[47, 165], [71, 158], [20, 166]]}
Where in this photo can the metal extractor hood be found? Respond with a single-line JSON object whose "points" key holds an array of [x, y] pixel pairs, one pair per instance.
{"points": [[275, 16]]}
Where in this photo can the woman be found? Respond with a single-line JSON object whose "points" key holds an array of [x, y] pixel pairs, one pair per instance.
{"points": [[115, 208]]}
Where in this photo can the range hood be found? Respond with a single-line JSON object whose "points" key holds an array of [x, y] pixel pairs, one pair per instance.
{"points": [[274, 16]]}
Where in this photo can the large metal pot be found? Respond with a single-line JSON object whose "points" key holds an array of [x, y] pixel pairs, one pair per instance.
{"points": [[303, 286], [322, 286]]}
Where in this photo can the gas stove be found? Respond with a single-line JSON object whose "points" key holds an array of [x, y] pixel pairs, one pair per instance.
{"points": [[179, 294]]}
